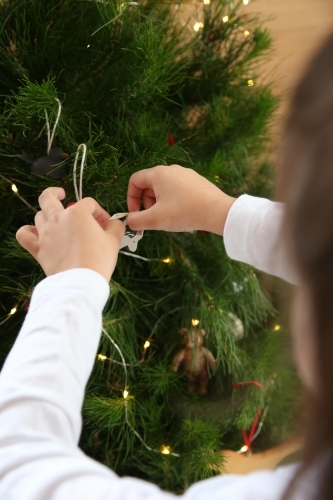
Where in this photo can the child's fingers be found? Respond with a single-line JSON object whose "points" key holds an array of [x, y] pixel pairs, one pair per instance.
{"points": [[146, 219], [49, 200], [115, 229], [94, 208], [139, 182], [40, 220], [27, 236], [148, 198]]}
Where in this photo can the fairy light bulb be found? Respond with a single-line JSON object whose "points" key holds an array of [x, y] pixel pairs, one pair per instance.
{"points": [[166, 450], [101, 357], [250, 83], [206, 2], [246, 2], [277, 328], [125, 394], [244, 449], [198, 26], [88, 45], [216, 178], [14, 188], [195, 322], [246, 33], [225, 19], [13, 311], [167, 260], [146, 344]]}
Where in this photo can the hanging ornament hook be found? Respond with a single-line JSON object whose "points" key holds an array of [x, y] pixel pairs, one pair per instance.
{"points": [[50, 137], [82, 146], [52, 164]]}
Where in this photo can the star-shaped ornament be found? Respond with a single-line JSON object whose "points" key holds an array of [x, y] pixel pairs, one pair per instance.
{"points": [[131, 238]]}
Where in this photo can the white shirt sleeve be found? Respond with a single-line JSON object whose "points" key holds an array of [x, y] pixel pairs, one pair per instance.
{"points": [[252, 234], [42, 386]]}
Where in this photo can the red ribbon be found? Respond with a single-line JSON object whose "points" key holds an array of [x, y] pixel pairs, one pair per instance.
{"points": [[248, 438]]}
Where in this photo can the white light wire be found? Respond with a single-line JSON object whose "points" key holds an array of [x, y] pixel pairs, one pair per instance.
{"points": [[126, 408], [261, 423], [138, 256], [18, 194]]}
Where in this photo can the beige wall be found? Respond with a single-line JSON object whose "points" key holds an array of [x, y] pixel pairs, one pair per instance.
{"points": [[298, 27]]}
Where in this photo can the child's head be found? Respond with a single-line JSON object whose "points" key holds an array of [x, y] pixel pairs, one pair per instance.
{"points": [[307, 187]]}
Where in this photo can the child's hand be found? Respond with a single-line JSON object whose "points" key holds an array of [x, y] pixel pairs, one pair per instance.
{"points": [[176, 199], [80, 236]]}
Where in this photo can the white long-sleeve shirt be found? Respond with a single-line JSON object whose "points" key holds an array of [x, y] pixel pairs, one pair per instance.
{"points": [[43, 381]]}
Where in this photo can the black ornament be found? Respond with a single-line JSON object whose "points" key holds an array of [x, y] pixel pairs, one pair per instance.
{"points": [[47, 165]]}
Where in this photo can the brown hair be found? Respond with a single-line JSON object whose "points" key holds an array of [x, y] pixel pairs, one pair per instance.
{"points": [[306, 186]]}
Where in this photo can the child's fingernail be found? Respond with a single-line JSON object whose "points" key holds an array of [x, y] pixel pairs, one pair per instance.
{"points": [[70, 204]]}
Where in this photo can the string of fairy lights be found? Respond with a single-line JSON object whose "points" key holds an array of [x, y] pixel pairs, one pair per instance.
{"points": [[199, 25], [165, 450], [126, 395]]}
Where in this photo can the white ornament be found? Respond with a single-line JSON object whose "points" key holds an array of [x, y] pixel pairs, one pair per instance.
{"points": [[237, 328], [130, 238]]}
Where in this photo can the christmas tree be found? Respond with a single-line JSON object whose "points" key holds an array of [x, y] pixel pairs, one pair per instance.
{"points": [[141, 86]]}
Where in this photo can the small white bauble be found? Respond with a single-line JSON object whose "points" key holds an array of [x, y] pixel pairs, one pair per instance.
{"points": [[236, 326]]}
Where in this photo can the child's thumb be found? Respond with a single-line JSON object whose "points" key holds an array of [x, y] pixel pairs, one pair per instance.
{"points": [[146, 219], [115, 229], [27, 236]]}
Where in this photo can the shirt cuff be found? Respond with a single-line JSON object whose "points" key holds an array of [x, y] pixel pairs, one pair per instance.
{"points": [[238, 225], [86, 280], [252, 235]]}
